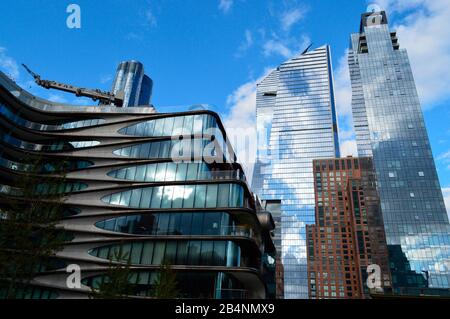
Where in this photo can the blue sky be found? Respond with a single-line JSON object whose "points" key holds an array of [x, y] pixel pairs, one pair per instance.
{"points": [[214, 51]]}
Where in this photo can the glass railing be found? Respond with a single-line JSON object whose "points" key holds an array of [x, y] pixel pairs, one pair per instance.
{"points": [[413, 291], [45, 167], [59, 146], [14, 165], [223, 175], [8, 190], [6, 112], [231, 294], [238, 231]]}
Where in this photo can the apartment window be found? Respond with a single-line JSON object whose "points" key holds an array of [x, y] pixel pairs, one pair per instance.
{"points": [[421, 174]]}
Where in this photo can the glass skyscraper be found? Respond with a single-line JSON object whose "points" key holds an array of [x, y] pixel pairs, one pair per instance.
{"points": [[131, 79], [296, 123], [390, 127]]}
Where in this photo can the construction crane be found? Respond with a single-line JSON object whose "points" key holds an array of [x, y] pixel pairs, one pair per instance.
{"points": [[105, 98]]}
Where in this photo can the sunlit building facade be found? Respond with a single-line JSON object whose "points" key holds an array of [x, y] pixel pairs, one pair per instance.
{"points": [[389, 126], [348, 236], [296, 123], [134, 186]]}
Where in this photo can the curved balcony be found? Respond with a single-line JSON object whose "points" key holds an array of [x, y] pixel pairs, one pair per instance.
{"points": [[15, 118]]}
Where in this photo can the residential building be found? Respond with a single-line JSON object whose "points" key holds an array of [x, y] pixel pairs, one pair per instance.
{"points": [[134, 186], [348, 236]]}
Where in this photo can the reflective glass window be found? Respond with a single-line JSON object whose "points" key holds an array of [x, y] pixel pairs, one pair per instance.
{"points": [[197, 224], [167, 197], [180, 196], [200, 196], [207, 253], [194, 252], [156, 197], [135, 197], [147, 253], [158, 253], [161, 171], [211, 195], [146, 198], [189, 195], [223, 195]]}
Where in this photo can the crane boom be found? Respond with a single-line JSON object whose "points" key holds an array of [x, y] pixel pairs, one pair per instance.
{"points": [[94, 94]]}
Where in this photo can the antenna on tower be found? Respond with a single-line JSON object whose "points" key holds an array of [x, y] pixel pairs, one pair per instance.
{"points": [[373, 7]]}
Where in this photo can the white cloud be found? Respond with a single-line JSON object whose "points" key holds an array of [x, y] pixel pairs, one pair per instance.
{"points": [[240, 122], [342, 87], [106, 78], [276, 47], [278, 40], [150, 18], [246, 44], [446, 193], [445, 159], [423, 31], [8, 65], [133, 36], [349, 148], [225, 5], [291, 17], [286, 47], [346, 135], [398, 5], [343, 95]]}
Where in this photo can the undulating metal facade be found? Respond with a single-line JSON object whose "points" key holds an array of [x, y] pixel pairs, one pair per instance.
{"points": [[389, 126], [141, 188], [296, 123]]}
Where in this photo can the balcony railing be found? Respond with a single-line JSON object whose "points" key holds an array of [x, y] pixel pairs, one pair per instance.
{"points": [[231, 294], [223, 175], [241, 231], [14, 166], [8, 190]]}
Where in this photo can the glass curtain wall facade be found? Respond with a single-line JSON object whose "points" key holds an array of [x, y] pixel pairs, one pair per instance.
{"points": [[137, 86], [135, 189], [389, 126], [296, 123]]}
